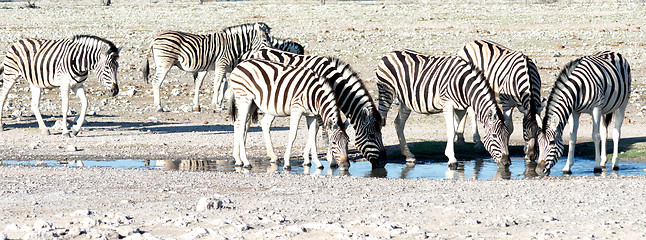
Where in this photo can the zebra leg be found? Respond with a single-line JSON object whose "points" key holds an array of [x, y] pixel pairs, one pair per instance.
{"points": [[8, 84], [313, 129], [219, 87], [198, 78], [616, 134], [35, 107], [265, 123], [603, 136], [574, 126], [474, 127], [386, 96], [596, 122], [449, 151], [80, 92], [460, 118], [293, 127], [400, 122], [239, 128], [65, 104], [160, 75]]}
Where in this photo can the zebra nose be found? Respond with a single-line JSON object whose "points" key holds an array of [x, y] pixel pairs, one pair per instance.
{"points": [[505, 161], [114, 90], [344, 164]]}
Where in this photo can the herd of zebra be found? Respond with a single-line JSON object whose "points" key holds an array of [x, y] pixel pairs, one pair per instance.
{"points": [[274, 76]]}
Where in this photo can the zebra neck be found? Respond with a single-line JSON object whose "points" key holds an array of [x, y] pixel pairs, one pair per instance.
{"points": [[480, 97], [557, 112]]}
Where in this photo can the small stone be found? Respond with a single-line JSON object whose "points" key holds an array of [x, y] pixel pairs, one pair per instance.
{"points": [[127, 230], [42, 224], [176, 92], [12, 227], [295, 229], [75, 231], [81, 212], [559, 46], [17, 114], [104, 101], [557, 54], [186, 108], [34, 145], [71, 148], [627, 120], [91, 113], [208, 203]]}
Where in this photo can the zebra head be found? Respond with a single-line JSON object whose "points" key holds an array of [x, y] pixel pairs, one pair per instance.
{"points": [[107, 70], [550, 144], [368, 138], [496, 136], [338, 142], [260, 37]]}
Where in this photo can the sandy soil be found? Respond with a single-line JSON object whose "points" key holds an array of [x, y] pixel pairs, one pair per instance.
{"points": [[109, 203]]}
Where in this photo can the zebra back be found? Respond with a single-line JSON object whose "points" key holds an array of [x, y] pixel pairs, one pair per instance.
{"points": [[427, 84], [352, 95], [600, 80]]}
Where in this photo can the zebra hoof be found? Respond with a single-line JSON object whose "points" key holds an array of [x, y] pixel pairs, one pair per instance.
{"points": [[287, 168], [319, 167], [597, 170], [566, 172], [66, 135], [334, 165], [238, 164], [615, 168], [45, 132], [453, 166], [75, 132], [159, 110], [248, 166], [307, 164], [460, 142], [197, 109]]}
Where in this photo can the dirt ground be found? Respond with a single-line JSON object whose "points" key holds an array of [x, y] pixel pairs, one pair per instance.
{"points": [[110, 203]]}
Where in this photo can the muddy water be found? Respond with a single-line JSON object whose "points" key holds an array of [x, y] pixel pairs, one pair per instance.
{"points": [[476, 169]]}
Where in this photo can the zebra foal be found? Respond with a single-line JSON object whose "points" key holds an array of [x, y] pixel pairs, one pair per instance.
{"points": [[598, 84], [281, 90], [198, 54], [351, 94], [64, 64], [516, 83], [429, 85]]}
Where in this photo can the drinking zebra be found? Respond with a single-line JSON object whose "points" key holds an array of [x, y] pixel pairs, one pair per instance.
{"points": [[60, 64], [599, 85], [352, 95], [516, 83], [220, 51], [282, 90], [429, 85]]}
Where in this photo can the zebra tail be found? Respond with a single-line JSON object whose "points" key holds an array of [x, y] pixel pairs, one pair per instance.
{"points": [[254, 114], [145, 70], [233, 111], [1, 71], [608, 117]]}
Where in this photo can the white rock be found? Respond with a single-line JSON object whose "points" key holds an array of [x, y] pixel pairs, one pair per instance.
{"points": [[42, 224], [104, 101], [71, 148], [91, 113], [17, 113], [295, 229], [127, 230], [34, 145], [208, 203], [81, 212], [176, 92], [3, 236], [186, 108], [11, 227]]}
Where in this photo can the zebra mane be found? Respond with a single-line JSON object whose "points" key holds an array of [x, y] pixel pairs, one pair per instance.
{"points": [[111, 47], [242, 27], [354, 75], [481, 74], [559, 83]]}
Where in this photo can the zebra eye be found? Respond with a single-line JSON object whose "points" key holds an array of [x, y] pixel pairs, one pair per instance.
{"points": [[552, 142]]}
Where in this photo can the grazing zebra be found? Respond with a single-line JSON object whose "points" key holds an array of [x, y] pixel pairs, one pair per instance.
{"points": [[60, 64], [287, 45], [429, 85], [352, 95], [599, 85], [220, 51], [515, 80], [282, 90]]}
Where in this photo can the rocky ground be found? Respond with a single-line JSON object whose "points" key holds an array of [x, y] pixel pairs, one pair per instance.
{"points": [[85, 203]]}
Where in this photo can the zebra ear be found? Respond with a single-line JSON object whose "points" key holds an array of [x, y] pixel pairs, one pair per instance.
{"points": [[346, 123], [119, 49]]}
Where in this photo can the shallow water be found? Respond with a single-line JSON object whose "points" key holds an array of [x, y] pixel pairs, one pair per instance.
{"points": [[476, 169]]}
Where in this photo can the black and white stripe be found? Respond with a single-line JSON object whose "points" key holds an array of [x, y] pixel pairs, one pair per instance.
{"points": [[599, 85], [220, 51], [60, 64], [282, 90], [515, 80], [352, 95], [429, 85], [287, 45]]}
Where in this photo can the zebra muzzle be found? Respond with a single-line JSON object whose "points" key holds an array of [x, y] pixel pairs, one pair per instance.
{"points": [[114, 90]]}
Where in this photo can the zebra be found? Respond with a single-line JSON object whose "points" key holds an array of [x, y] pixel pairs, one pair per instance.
{"points": [[64, 64], [283, 90], [429, 85], [599, 85], [220, 51], [352, 95], [515, 80], [287, 45]]}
